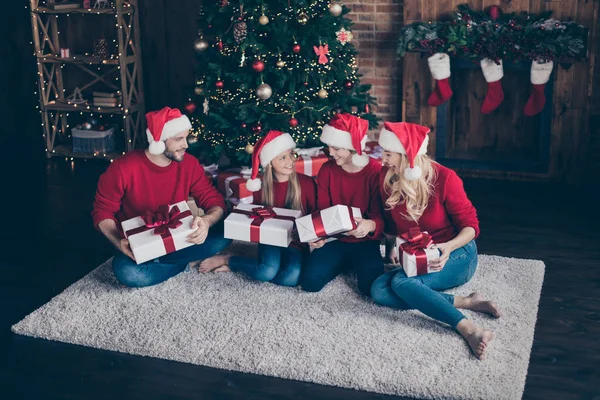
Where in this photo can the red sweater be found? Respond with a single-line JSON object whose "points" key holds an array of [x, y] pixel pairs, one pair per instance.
{"points": [[133, 184], [357, 189], [448, 211], [308, 194]]}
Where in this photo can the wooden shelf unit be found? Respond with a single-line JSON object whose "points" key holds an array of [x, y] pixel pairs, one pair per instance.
{"points": [[126, 64]]}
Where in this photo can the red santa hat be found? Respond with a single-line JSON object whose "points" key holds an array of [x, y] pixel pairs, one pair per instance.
{"points": [[266, 149], [349, 132], [163, 124], [405, 138]]}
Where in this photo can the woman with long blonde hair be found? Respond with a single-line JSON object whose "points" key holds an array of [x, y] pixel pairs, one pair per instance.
{"points": [[280, 186], [420, 195]]}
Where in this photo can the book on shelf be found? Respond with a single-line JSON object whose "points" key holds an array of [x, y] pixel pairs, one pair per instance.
{"points": [[106, 94], [65, 5]]}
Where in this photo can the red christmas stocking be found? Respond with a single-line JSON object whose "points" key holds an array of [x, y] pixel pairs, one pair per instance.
{"points": [[540, 75], [439, 65], [493, 73]]}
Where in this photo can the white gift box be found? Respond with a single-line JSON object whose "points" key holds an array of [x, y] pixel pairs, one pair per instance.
{"points": [[147, 243], [409, 261], [257, 224], [334, 220]]}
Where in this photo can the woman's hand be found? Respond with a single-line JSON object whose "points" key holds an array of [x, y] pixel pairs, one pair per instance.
{"points": [[365, 226], [392, 256], [438, 264]]}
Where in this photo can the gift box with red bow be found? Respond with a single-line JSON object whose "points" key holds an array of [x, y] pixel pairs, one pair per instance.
{"points": [[310, 161], [232, 185], [327, 223], [415, 249], [156, 234], [259, 224]]}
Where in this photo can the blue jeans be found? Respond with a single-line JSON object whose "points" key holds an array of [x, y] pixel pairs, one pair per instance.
{"points": [[324, 264], [160, 269], [394, 289], [278, 265]]}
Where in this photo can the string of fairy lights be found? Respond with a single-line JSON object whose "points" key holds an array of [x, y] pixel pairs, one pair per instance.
{"points": [[220, 90], [47, 77]]}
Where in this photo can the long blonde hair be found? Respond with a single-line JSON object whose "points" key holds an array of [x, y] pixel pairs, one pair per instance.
{"points": [[293, 200], [415, 193]]}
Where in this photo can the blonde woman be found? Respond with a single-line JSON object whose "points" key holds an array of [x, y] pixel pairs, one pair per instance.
{"points": [[280, 187], [418, 192]]}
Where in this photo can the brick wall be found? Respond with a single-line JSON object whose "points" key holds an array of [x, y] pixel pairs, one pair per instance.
{"points": [[376, 27]]}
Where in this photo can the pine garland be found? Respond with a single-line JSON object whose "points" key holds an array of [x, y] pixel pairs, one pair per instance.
{"points": [[475, 35]]}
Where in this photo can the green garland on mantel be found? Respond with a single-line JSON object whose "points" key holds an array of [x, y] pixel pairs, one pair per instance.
{"points": [[477, 35]]}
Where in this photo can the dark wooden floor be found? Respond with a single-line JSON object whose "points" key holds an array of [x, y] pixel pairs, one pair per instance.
{"points": [[54, 245]]}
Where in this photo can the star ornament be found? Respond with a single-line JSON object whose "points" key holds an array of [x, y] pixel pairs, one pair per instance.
{"points": [[344, 36], [322, 52]]}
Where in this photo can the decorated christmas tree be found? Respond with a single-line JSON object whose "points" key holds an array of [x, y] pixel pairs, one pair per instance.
{"points": [[261, 65]]}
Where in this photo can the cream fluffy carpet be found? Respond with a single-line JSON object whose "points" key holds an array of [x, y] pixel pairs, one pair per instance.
{"points": [[334, 337]]}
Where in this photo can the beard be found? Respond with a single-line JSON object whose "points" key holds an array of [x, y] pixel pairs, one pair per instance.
{"points": [[171, 156]]}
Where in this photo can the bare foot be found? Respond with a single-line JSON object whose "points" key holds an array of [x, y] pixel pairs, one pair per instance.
{"points": [[476, 302], [478, 341], [222, 268], [214, 262]]}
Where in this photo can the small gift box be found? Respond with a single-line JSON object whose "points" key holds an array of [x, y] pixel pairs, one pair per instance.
{"points": [[373, 149], [156, 234], [310, 161], [258, 224], [232, 185], [415, 249], [327, 223]]}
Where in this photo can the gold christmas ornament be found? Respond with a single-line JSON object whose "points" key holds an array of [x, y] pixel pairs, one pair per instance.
{"points": [[263, 20], [323, 94], [280, 64], [335, 8], [198, 90], [249, 148], [302, 19], [200, 44], [264, 91]]}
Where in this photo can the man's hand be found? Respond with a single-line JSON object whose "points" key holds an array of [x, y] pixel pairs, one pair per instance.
{"points": [[126, 249], [365, 226], [201, 232], [318, 244]]}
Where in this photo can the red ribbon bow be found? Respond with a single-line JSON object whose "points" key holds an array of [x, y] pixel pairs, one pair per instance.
{"points": [[162, 221], [416, 243], [258, 215]]}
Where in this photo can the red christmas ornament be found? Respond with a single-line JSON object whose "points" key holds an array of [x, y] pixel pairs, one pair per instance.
{"points": [[348, 85], [305, 83], [190, 107], [494, 12], [244, 125], [296, 48], [257, 128], [258, 66], [293, 122], [219, 84], [220, 45]]}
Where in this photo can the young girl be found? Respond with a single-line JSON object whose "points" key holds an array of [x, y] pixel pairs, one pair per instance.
{"points": [[351, 178], [418, 192], [283, 188]]}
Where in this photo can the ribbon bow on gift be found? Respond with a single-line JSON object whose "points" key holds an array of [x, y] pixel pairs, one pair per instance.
{"points": [[162, 221], [416, 243], [258, 215]]}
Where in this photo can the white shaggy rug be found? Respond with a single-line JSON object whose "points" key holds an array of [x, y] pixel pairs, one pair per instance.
{"points": [[334, 337]]}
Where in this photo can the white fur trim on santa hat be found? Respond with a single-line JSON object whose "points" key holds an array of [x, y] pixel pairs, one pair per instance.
{"points": [[175, 127], [254, 185], [541, 71], [439, 65], [337, 138], [412, 174], [275, 147], [491, 71], [390, 142]]}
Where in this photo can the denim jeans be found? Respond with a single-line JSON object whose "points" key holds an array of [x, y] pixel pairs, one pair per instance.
{"points": [[324, 264], [394, 289], [160, 269], [278, 265]]}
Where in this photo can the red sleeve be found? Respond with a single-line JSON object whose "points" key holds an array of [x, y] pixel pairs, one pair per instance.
{"points": [[202, 190], [323, 195], [109, 194], [309, 195], [375, 211], [457, 204]]}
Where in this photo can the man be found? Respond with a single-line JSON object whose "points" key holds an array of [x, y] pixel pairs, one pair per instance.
{"points": [[143, 180]]}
